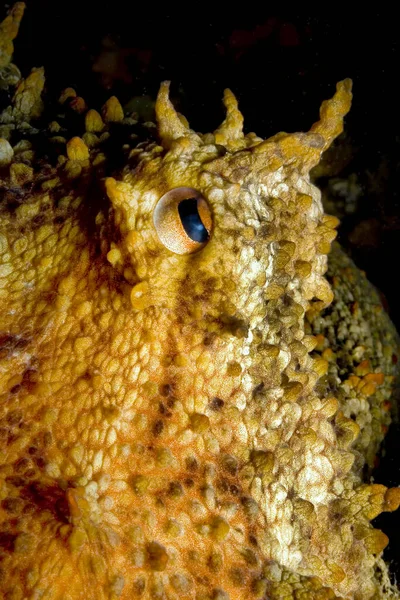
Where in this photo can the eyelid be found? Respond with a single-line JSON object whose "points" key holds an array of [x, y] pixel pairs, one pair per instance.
{"points": [[173, 234]]}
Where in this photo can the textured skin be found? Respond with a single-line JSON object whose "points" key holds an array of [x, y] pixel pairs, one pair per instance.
{"points": [[165, 431]]}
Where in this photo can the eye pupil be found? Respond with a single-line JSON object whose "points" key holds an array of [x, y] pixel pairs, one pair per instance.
{"points": [[191, 220]]}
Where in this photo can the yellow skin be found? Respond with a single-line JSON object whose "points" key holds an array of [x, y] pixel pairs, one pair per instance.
{"points": [[161, 432]]}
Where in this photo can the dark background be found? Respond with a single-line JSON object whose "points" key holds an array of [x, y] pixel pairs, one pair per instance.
{"points": [[281, 66]]}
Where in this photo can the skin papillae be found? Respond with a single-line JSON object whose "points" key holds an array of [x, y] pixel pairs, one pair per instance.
{"points": [[181, 425]]}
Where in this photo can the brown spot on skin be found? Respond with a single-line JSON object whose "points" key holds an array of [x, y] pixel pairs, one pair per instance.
{"points": [[7, 540], [15, 481], [48, 498], [253, 540], [258, 389], [12, 342], [40, 461], [171, 402], [166, 389], [157, 556], [216, 404], [191, 463], [158, 428], [175, 489], [229, 464]]}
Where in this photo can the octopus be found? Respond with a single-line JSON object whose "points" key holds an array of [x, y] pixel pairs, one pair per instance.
{"points": [[194, 377]]}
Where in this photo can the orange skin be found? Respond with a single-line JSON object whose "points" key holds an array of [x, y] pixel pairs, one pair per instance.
{"points": [[162, 435]]}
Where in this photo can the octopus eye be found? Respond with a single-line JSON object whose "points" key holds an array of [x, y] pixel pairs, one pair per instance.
{"points": [[182, 219]]}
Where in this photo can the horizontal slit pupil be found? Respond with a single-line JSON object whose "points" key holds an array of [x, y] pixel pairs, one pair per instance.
{"points": [[191, 220]]}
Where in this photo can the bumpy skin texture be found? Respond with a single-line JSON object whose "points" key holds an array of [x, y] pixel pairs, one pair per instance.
{"points": [[165, 431]]}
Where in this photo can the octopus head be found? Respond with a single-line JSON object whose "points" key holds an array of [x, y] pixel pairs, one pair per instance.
{"points": [[226, 229]]}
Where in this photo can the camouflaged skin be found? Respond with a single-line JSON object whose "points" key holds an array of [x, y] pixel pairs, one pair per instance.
{"points": [[170, 425]]}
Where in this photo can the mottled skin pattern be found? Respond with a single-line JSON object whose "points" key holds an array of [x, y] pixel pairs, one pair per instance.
{"points": [[165, 431]]}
